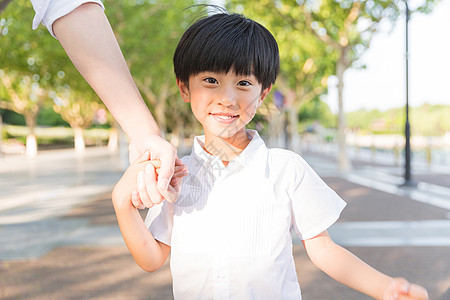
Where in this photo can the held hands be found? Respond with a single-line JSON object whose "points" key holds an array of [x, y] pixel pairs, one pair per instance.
{"points": [[401, 289], [146, 183], [157, 187], [139, 181]]}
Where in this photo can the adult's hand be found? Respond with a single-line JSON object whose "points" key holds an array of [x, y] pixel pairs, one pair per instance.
{"points": [[160, 150]]}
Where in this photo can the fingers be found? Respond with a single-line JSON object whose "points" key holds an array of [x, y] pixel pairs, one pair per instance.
{"points": [[150, 184], [144, 157], [167, 169], [417, 292], [403, 290], [176, 169], [172, 193], [136, 200], [157, 163], [179, 171], [174, 181], [142, 190]]}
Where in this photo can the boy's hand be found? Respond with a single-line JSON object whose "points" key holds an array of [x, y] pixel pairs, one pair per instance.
{"points": [[132, 184], [140, 198], [401, 289], [161, 150]]}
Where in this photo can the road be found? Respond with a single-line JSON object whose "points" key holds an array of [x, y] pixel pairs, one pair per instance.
{"points": [[59, 238]]}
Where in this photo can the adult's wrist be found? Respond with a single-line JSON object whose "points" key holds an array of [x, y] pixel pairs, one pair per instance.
{"points": [[137, 137]]}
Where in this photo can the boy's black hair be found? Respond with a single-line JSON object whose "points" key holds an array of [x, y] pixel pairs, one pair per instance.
{"points": [[224, 41]]}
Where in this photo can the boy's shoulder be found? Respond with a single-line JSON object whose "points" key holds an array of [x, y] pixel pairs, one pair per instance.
{"points": [[280, 152], [287, 162], [284, 155]]}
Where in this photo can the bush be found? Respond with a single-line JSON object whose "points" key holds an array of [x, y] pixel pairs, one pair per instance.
{"points": [[48, 117], [10, 117]]}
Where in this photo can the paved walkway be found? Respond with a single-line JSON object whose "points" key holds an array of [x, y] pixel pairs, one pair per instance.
{"points": [[59, 239]]}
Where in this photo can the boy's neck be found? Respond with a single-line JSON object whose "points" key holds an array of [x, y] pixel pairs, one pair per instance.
{"points": [[226, 148]]}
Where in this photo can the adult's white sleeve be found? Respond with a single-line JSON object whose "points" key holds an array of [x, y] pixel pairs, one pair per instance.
{"points": [[48, 11], [159, 221], [315, 206]]}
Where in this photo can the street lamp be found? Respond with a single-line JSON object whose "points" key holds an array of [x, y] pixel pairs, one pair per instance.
{"points": [[408, 180]]}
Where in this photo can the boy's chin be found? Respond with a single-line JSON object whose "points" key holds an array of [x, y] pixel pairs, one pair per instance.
{"points": [[228, 134]]}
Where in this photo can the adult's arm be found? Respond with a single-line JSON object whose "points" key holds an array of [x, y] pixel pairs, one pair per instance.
{"points": [[87, 37], [89, 41]]}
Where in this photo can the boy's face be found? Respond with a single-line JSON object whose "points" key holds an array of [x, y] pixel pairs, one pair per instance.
{"points": [[223, 103]]}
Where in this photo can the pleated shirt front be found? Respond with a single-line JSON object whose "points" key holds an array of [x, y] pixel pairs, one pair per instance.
{"points": [[230, 228]]}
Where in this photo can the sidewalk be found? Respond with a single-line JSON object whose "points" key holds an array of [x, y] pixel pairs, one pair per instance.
{"points": [[59, 239]]}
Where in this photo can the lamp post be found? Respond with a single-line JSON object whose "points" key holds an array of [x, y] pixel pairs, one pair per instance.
{"points": [[408, 180]]}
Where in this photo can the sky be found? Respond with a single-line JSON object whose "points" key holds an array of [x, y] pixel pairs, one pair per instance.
{"points": [[382, 84]]}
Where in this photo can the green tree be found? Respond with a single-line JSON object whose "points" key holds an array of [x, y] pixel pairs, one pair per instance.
{"points": [[431, 120], [346, 28], [36, 69], [77, 110], [23, 95], [148, 32], [305, 62], [3, 4], [317, 111]]}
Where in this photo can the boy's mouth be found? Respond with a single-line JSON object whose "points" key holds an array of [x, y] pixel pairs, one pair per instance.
{"points": [[224, 116]]}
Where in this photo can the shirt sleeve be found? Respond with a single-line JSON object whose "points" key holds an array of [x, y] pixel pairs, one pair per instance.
{"points": [[48, 11], [315, 206], [159, 221]]}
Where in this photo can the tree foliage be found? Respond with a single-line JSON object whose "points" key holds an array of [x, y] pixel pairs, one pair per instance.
{"points": [[317, 39], [34, 66], [344, 28], [148, 32], [428, 120]]}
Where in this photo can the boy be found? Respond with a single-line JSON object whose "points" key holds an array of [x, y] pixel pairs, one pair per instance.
{"points": [[229, 229]]}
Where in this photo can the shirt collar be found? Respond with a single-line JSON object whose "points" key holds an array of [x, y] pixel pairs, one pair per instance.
{"points": [[254, 156]]}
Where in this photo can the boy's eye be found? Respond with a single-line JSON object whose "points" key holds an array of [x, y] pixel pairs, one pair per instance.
{"points": [[211, 80], [244, 83]]}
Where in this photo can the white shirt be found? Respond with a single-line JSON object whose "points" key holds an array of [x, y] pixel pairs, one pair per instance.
{"points": [[229, 230], [48, 11]]}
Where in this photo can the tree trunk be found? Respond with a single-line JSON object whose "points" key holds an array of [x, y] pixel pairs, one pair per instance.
{"points": [[124, 154], [80, 146], [181, 133], [343, 161], [294, 141], [3, 4], [276, 130], [160, 114], [1, 135], [31, 144], [161, 106]]}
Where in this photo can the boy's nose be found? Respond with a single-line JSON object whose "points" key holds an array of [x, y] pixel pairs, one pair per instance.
{"points": [[226, 97]]}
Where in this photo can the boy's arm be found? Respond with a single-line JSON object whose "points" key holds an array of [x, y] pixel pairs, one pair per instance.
{"points": [[348, 269], [149, 253]]}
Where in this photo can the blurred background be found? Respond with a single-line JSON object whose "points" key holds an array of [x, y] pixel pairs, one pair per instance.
{"points": [[340, 101], [342, 77]]}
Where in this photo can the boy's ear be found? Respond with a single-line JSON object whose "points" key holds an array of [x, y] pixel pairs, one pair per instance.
{"points": [[264, 94], [184, 90]]}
